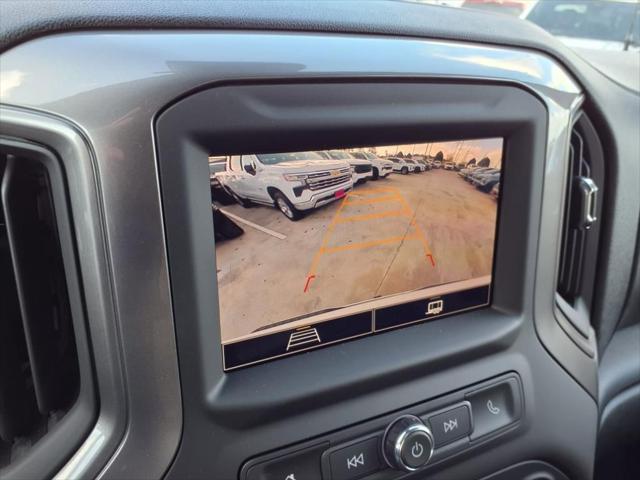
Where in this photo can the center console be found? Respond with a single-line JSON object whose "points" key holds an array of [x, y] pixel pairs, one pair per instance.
{"points": [[323, 256], [414, 439], [296, 368]]}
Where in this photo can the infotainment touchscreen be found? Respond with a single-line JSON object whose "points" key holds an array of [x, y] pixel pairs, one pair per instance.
{"points": [[314, 248]]}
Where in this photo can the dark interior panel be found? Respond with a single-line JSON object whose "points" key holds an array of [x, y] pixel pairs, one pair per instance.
{"points": [[279, 400], [113, 346]]}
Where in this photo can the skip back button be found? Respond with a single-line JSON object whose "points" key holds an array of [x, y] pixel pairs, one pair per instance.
{"points": [[355, 460]]}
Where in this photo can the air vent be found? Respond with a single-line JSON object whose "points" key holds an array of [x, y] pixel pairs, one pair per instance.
{"points": [[40, 375], [575, 225], [578, 254]]}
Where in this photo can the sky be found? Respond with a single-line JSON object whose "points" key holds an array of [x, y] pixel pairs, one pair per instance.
{"points": [[462, 150]]}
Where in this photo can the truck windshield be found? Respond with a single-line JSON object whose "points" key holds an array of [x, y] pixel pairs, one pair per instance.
{"points": [[275, 158], [338, 155]]}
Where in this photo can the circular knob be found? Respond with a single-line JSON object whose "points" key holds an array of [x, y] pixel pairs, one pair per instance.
{"points": [[407, 444]]}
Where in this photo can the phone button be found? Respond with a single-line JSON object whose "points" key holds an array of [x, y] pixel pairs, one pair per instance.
{"points": [[494, 407]]}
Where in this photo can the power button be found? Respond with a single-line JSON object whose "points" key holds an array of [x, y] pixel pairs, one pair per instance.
{"points": [[416, 449], [407, 444]]}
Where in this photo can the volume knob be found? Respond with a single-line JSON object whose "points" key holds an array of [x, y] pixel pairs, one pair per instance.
{"points": [[407, 444]]}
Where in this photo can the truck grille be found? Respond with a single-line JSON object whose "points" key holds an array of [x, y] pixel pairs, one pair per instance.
{"points": [[327, 181], [362, 168]]}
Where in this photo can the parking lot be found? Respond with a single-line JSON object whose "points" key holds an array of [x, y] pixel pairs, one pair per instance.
{"points": [[398, 234]]}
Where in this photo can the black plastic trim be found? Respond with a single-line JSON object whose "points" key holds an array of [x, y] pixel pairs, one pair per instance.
{"points": [[275, 404], [57, 445], [75, 159]]}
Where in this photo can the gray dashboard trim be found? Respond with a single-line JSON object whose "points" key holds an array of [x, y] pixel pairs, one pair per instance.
{"points": [[113, 84], [610, 106], [78, 162]]}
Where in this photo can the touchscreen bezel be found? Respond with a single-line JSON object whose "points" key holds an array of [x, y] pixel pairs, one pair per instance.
{"points": [[187, 135], [373, 316]]}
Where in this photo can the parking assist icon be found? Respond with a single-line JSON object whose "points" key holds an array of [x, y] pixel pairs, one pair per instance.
{"points": [[303, 336], [435, 307]]}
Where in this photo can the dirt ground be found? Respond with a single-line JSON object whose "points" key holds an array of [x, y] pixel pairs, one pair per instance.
{"points": [[402, 233]]}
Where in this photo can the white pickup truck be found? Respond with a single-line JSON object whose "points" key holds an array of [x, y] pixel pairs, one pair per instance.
{"points": [[400, 166], [361, 170], [381, 167], [291, 182]]}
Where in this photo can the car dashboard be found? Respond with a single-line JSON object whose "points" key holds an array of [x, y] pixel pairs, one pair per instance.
{"points": [[117, 121]]}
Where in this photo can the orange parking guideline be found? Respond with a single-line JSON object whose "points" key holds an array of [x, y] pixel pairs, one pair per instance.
{"points": [[365, 191], [387, 198], [422, 236], [374, 216], [371, 243], [325, 237], [392, 195]]}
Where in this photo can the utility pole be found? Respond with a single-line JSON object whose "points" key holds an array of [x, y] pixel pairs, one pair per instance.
{"points": [[465, 155], [455, 151], [459, 150]]}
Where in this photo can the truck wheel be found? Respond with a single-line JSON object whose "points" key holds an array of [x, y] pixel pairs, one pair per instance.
{"points": [[404, 170], [286, 207], [486, 188], [376, 174]]}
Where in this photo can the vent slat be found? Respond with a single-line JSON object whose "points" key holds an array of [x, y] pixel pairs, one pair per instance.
{"points": [[17, 398], [46, 391], [574, 235], [40, 281]]}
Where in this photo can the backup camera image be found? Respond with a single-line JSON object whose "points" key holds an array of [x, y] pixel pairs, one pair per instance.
{"points": [[318, 247]]}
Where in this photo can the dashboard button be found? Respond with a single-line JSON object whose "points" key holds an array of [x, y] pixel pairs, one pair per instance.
{"points": [[416, 449], [450, 425], [355, 460], [407, 444], [300, 465], [494, 407]]}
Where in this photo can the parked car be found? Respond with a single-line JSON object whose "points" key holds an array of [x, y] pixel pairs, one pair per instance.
{"points": [[218, 165], [437, 164], [465, 172], [495, 191], [486, 181], [291, 182], [517, 8], [424, 163], [449, 166], [361, 170], [400, 165], [471, 175], [604, 25], [414, 166], [381, 166]]}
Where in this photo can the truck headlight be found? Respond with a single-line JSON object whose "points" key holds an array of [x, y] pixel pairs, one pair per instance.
{"points": [[295, 177]]}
